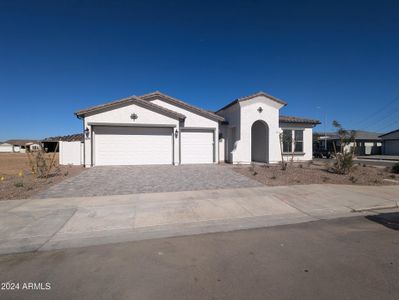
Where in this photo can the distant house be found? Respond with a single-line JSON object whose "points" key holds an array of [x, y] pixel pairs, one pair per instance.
{"points": [[6, 147], [390, 143], [50, 143], [367, 143], [24, 145]]}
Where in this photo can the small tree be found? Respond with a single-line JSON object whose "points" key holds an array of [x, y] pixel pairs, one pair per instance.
{"points": [[283, 163], [343, 158]]}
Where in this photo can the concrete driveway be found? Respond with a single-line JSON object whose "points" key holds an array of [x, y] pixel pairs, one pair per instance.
{"points": [[124, 180]]}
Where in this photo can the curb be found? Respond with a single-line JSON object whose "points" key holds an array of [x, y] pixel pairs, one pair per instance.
{"points": [[375, 207]]}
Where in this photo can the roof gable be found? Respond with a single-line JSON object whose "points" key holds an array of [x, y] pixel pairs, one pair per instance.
{"points": [[158, 95], [127, 101], [389, 133], [261, 93]]}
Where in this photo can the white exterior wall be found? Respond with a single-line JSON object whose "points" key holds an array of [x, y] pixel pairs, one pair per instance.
{"points": [[121, 115], [241, 116], [194, 120], [222, 150], [71, 153], [6, 148], [231, 132]]}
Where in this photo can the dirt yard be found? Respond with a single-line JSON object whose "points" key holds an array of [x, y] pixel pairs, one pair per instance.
{"points": [[18, 182], [316, 172]]}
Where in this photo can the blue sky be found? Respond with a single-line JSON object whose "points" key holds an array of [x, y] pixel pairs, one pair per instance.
{"points": [[333, 58]]}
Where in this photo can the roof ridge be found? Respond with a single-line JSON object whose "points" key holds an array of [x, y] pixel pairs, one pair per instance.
{"points": [[182, 103], [132, 99], [244, 98]]}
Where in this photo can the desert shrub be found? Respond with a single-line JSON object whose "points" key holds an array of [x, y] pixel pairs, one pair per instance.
{"points": [[344, 163], [273, 177], [395, 168], [19, 184], [324, 178], [300, 166], [392, 176], [343, 158], [41, 166], [353, 179]]}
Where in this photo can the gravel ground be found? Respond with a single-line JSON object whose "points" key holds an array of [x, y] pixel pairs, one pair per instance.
{"points": [[316, 173], [25, 186]]}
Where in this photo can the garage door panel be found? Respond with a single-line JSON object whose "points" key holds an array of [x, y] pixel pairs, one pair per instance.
{"points": [[133, 146], [391, 147], [197, 147]]}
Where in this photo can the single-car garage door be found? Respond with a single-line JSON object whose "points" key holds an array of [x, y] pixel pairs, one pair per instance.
{"points": [[391, 147], [114, 145], [197, 147]]}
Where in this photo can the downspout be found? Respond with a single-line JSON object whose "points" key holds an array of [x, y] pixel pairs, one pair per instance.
{"points": [[84, 142]]}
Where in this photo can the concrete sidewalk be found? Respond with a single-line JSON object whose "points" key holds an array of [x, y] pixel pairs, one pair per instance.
{"points": [[45, 224]]}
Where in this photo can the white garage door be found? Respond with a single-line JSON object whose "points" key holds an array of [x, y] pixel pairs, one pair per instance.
{"points": [[391, 147], [132, 146], [197, 147]]}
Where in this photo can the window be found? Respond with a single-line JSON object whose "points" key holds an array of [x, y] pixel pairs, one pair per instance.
{"points": [[287, 140], [298, 141], [292, 141]]}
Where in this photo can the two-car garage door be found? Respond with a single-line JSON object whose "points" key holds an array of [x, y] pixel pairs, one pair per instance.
{"points": [[116, 145]]}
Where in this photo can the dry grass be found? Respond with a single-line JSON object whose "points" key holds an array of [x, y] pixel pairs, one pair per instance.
{"points": [[17, 181], [316, 173]]}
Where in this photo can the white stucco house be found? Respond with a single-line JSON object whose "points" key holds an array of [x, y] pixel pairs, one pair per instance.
{"points": [[6, 147], [158, 129]]}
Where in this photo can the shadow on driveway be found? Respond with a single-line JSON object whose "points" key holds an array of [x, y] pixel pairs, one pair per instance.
{"points": [[389, 220]]}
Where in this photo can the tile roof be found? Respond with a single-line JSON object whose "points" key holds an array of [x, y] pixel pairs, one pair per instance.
{"points": [[65, 138], [178, 102], [21, 142], [131, 100], [261, 93], [359, 135], [291, 119], [393, 131]]}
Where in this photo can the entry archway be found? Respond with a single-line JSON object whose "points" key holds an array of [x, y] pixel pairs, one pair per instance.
{"points": [[260, 142]]}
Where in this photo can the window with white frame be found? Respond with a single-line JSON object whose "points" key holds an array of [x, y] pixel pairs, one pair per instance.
{"points": [[292, 140]]}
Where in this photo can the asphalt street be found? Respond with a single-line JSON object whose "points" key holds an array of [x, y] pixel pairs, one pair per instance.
{"points": [[348, 258]]}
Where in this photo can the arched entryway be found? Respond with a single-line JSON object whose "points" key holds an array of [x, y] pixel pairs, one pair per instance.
{"points": [[260, 142]]}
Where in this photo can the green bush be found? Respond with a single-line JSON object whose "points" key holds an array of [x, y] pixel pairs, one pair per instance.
{"points": [[395, 168]]}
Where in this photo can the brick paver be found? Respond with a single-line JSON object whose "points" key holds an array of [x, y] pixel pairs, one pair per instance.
{"points": [[122, 180]]}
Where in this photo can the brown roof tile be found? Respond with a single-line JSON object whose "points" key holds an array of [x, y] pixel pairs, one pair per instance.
{"points": [[178, 102]]}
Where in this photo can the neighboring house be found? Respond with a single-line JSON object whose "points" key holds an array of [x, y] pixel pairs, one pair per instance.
{"points": [[390, 143], [158, 129], [24, 145], [6, 147], [367, 143], [50, 143]]}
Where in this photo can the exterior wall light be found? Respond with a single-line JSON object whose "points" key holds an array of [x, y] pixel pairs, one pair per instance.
{"points": [[87, 133], [176, 133], [260, 109]]}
